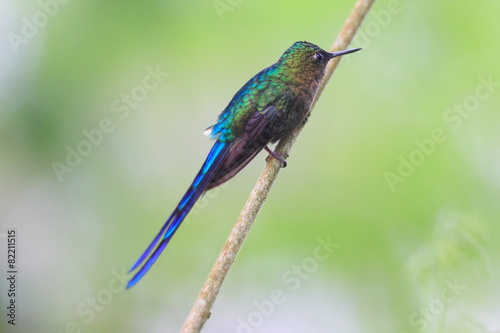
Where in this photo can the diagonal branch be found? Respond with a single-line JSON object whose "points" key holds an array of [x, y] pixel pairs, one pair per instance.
{"points": [[201, 308]]}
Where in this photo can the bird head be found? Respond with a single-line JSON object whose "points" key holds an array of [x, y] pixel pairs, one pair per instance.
{"points": [[306, 60]]}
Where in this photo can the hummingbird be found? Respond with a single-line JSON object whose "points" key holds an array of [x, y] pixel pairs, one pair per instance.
{"points": [[266, 109]]}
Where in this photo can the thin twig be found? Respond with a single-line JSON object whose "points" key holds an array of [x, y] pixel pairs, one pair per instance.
{"points": [[201, 308]]}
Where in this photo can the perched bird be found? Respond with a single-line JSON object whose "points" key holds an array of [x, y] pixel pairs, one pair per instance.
{"points": [[266, 109]]}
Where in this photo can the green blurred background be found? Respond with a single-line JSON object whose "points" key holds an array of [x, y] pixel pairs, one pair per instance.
{"points": [[414, 216]]}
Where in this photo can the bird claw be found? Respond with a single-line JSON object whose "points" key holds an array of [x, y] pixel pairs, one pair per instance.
{"points": [[279, 156]]}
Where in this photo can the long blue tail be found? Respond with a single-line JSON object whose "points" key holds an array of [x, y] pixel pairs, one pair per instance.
{"points": [[200, 183]]}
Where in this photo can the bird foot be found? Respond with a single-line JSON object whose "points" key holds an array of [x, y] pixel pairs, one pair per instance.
{"points": [[279, 156]]}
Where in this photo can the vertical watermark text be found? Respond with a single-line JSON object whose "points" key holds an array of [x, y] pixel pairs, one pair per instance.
{"points": [[11, 275]]}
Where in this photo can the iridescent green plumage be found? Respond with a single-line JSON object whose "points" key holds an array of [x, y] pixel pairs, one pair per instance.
{"points": [[278, 98], [289, 85], [266, 109]]}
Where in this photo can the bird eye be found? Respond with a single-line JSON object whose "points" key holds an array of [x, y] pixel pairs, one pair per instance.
{"points": [[318, 56]]}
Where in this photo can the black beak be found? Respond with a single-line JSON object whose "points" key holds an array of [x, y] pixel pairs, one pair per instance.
{"points": [[340, 53]]}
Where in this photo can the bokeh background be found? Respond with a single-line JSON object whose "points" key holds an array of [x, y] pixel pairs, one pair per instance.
{"points": [[398, 167]]}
